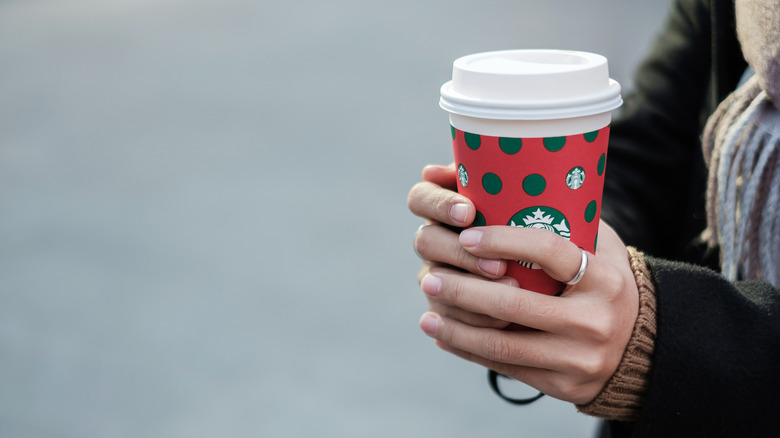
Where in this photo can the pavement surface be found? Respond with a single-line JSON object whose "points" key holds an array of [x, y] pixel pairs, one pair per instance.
{"points": [[203, 224]]}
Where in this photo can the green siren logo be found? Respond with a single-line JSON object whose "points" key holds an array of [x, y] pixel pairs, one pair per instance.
{"points": [[575, 178], [463, 176], [546, 218]]}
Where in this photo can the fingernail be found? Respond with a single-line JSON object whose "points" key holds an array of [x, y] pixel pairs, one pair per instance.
{"points": [[489, 266], [509, 281], [431, 284], [429, 324], [470, 238], [458, 212]]}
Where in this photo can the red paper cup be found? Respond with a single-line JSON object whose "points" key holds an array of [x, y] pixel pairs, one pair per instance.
{"points": [[530, 132], [552, 183]]}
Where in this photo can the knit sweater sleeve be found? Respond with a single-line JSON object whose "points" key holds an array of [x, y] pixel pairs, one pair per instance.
{"points": [[703, 359]]}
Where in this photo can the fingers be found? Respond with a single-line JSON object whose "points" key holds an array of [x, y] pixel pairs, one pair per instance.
{"points": [[444, 176], [458, 314], [495, 299], [465, 317], [560, 258], [579, 338], [431, 201], [554, 365], [535, 377], [557, 384], [500, 350], [438, 244]]}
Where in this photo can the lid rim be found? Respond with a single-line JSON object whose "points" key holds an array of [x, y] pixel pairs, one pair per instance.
{"points": [[485, 112], [607, 93], [607, 99]]}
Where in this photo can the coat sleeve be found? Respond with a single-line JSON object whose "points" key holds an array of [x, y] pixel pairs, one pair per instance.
{"points": [[655, 181], [716, 365]]}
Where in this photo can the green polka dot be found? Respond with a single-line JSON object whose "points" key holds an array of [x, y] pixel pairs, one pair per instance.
{"points": [[534, 184], [590, 137], [554, 144], [491, 183], [452, 129], [472, 140], [479, 220], [602, 163], [590, 211], [595, 242], [510, 145]]}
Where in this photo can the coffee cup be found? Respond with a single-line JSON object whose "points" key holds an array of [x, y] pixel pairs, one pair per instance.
{"points": [[530, 130]]}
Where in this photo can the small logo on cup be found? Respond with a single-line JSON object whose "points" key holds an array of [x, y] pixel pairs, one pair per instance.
{"points": [[546, 218], [463, 176], [575, 178]]}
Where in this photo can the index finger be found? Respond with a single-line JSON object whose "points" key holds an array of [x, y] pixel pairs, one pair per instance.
{"points": [[560, 258]]}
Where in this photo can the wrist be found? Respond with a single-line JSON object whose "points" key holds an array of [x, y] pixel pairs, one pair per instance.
{"points": [[623, 395]]}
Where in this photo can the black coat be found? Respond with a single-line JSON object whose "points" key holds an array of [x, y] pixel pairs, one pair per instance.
{"points": [[716, 366]]}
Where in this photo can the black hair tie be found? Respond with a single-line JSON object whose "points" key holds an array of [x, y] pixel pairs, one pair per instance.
{"points": [[493, 379]]}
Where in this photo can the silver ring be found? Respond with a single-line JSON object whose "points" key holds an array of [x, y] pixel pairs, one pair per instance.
{"points": [[414, 241], [581, 272]]}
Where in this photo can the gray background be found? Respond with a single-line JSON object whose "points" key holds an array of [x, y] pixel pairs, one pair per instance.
{"points": [[203, 224]]}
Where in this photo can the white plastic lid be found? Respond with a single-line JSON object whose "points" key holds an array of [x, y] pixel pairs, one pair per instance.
{"points": [[530, 85]]}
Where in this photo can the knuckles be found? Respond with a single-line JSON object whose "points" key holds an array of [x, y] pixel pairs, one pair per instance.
{"points": [[511, 304], [452, 290], [413, 200], [591, 365], [430, 201], [585, 375], [464, 260], [497, 347], [614, 283]]}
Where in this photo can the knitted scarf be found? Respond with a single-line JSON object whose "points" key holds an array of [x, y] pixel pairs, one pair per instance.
{"points": [[741, 143]]}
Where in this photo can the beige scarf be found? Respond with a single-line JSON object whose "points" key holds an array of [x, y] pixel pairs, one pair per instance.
{"points": [[741, 143]]}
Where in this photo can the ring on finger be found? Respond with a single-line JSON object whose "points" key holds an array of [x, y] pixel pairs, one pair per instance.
{"points": [[414, 241], [581, 272]]}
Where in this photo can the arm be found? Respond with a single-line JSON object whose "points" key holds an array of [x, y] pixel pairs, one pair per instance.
{"points": [[716, 366]]}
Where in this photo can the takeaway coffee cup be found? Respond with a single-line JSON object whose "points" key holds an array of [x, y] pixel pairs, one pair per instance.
{"points": [[529, 131]]}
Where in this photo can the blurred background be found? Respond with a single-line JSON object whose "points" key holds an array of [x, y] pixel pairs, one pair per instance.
{"points": [[203, 223]]}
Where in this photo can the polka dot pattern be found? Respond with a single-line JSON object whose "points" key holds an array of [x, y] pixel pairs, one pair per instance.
{"points": [[510, 146], [554, 144], [590, 211], [601, 164], [492, 183], [473, 141], [551, 183], [534, 184], [479, 220]]}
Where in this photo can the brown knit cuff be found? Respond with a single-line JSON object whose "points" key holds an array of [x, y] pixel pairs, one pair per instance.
{"points": [[623, 395]]}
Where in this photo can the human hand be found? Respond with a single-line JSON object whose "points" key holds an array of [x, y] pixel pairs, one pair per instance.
{"points": [[446, 212], [572, 344]]}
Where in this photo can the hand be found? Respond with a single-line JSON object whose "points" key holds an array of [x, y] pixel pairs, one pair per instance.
{"points": [[437, 242], [573, 343]]}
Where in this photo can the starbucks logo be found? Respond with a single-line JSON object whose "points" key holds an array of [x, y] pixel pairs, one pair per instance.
{"points": [[546, 218], [575, 178], [463, 176]]}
